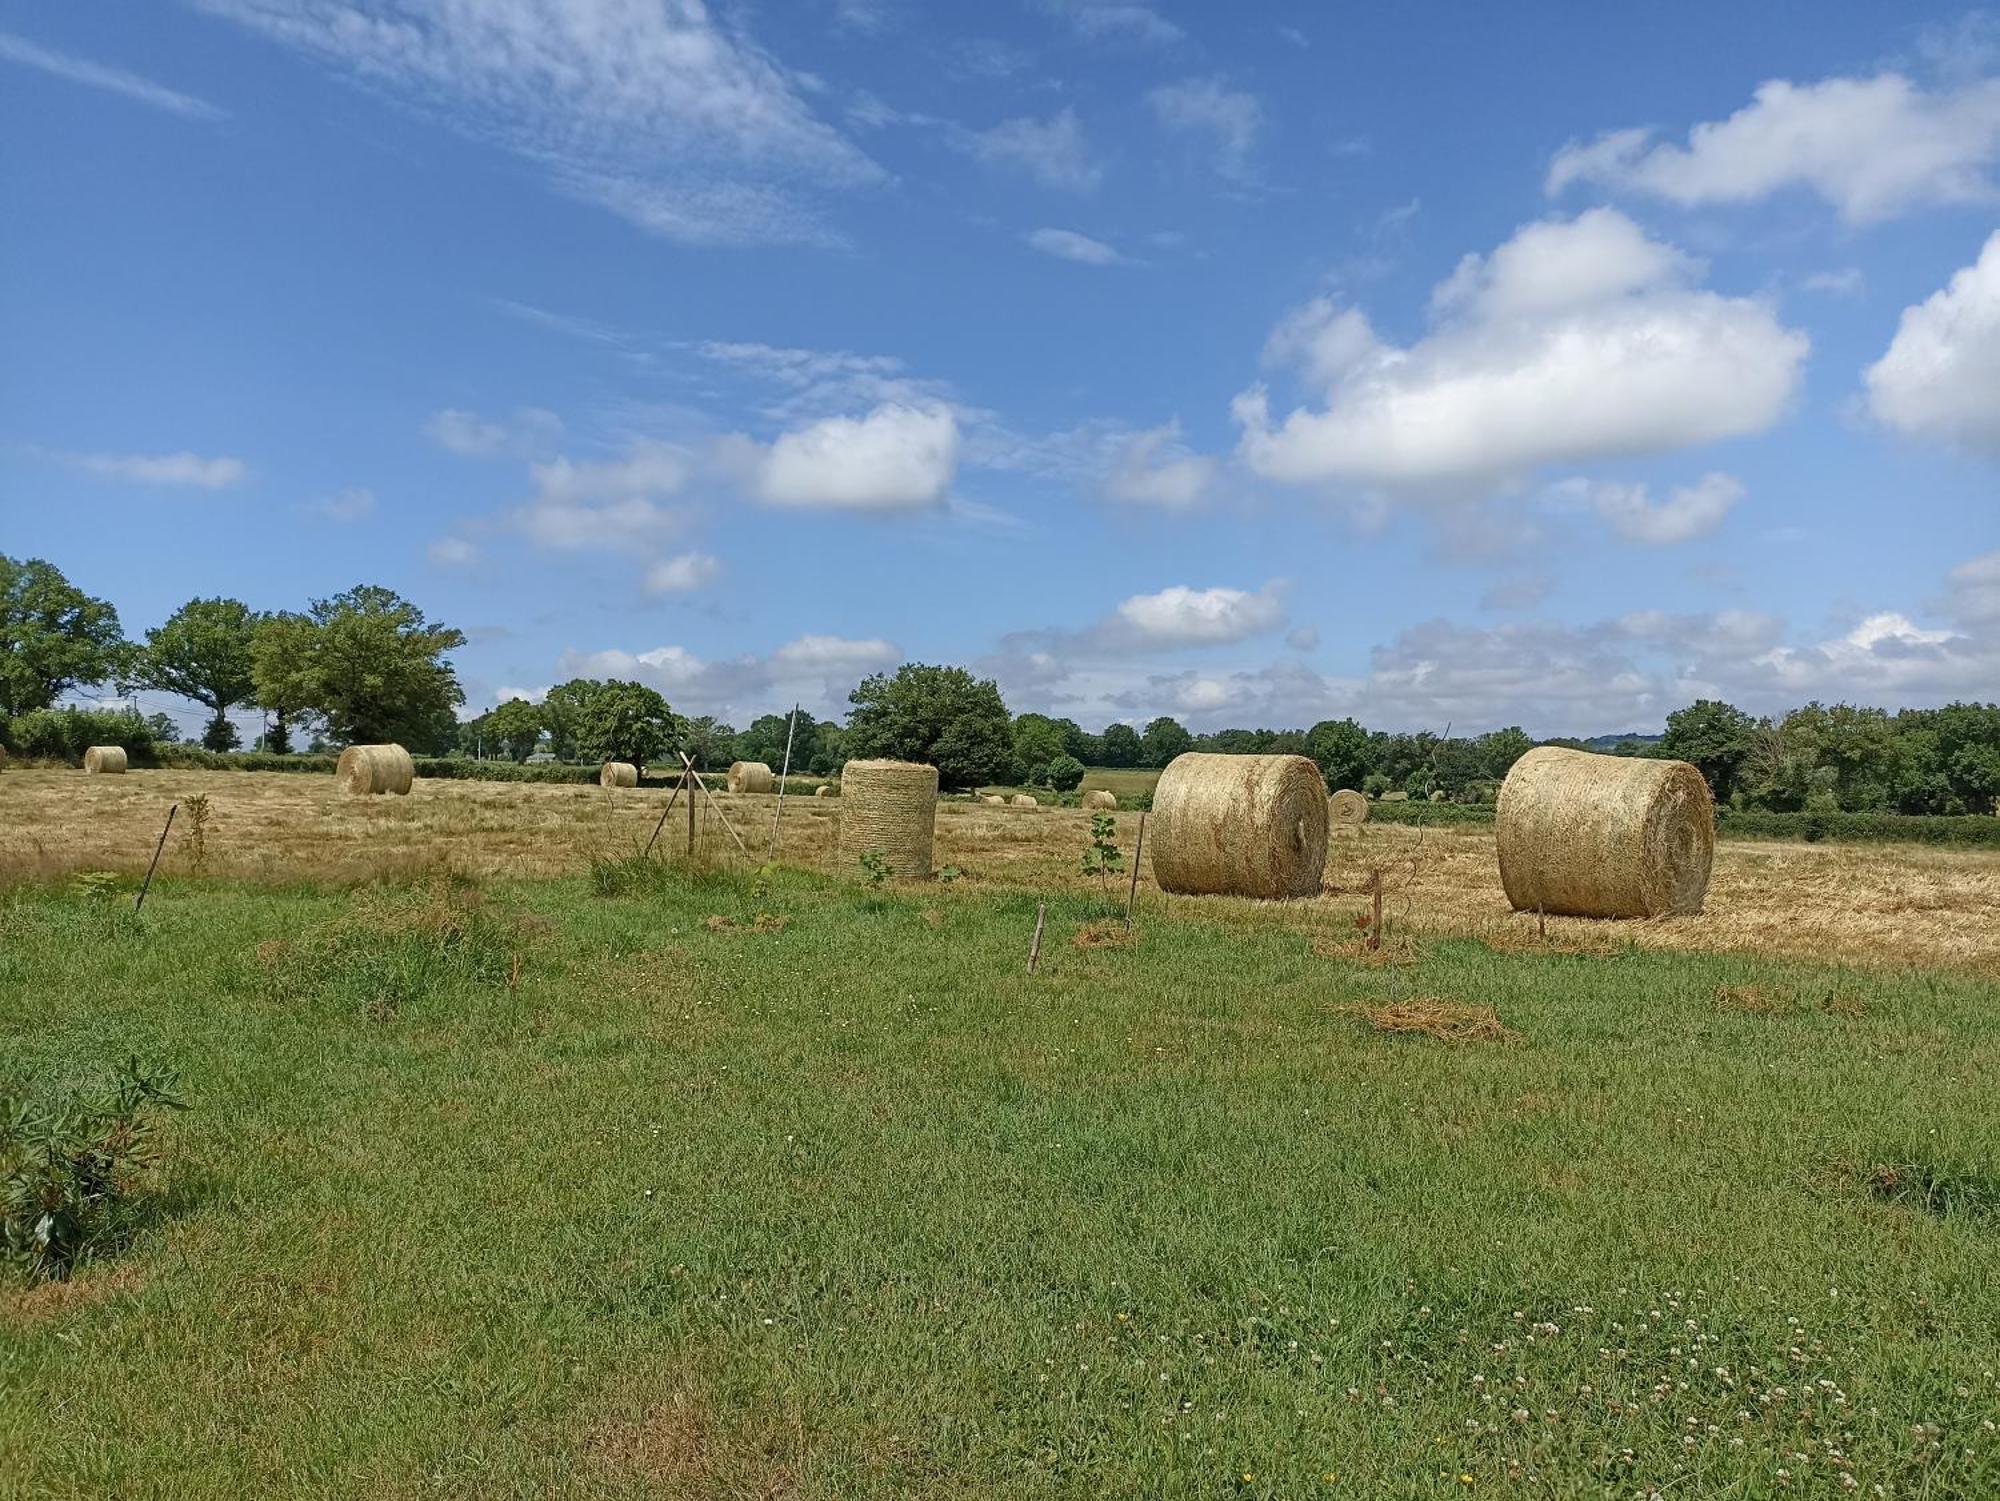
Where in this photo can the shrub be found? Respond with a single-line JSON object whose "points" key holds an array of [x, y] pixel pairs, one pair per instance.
{"points": [[1064, 774], [1974, 830], [65, 734], [72, 1169]]}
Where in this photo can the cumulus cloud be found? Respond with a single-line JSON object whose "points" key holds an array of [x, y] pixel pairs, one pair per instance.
{"points": [[1941, 375], [1068, 245], [18, 49], [471, 436], [815, 671], [682, 574], [1871, 147], [1155, 468], [614, 503], [897, 458], [1576, 340], [1052, 151], [661, 113], [1688, 512], [189, 470], [452, 552], [1180, 616], [1227, 120]]}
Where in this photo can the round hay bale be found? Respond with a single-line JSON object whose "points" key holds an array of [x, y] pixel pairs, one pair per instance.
{"points": [[1239, 826], [618, 774], [1437, 795], [752, 776], [1347, 809], [1583, 835], [1023, 800], [890, 808], [106, 760], [993, 799], [1395, 797], [1099, 798], [825, 789], [370, 769]]}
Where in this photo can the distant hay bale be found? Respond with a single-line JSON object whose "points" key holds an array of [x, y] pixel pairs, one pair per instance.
{"points": [[1239, 826], [1583, 835], [1347, 809], [825, 789], [1437, 796], [751, 776], [1395, 797], [889, 808], [618, 774], [1023, 800], [106, 760], [1099, 798], [370, 769], [994, 799]]}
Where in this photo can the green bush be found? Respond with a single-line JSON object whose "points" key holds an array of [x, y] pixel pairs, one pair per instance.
{"points": [[72, 1167], [194, 757], [65, 734], [1063, 774], [1975, 830], [1431, 815]]}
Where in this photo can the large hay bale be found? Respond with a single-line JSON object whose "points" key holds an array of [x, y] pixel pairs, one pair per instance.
{"points": [[370, 769], [1584, 835], [1239, 826], [1024, 800], [1347, 809], [1099, 798], [618, 774], [889, 807], [825, 789], [752, 776], [106, 760]]}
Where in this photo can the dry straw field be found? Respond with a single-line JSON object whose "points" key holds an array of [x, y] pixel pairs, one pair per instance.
{"points": [[1869, 905]]}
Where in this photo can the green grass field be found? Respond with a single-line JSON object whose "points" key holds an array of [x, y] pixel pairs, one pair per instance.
{"points": [[720, 1189]]}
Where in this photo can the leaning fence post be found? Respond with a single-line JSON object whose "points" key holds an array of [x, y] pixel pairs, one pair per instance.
{"points": [[1035, 948], [147, 885], [1132, 893]]}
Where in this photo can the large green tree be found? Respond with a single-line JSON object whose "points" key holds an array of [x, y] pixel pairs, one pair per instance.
{"points": [[53, 637], [204, 652], [512, 728], [709, 742], [1121, 745], [1163, 740], [940, 715], [1037, 740], [611, 720], [365, 662], [1340, 747], [1715, 737]]}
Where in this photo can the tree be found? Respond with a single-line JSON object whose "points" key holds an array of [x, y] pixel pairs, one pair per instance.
{"points": [[940, 715], [1340, 747], [165, 732], [53, 637], [764, 740], [203, 652], [367, 662], [1717, 738], [709, 742], [625, 721], [1122, 746], [512, 729], [1037, 740], [1064, 773], [1164, 739]]}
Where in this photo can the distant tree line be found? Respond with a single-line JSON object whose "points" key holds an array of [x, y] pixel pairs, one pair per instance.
{"points": [[366, 665]]}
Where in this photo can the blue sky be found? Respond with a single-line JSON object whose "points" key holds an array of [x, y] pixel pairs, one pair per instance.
{"points": [[1253, 364]]}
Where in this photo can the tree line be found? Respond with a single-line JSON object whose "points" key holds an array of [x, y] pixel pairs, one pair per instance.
{"points": [[366, 665]]}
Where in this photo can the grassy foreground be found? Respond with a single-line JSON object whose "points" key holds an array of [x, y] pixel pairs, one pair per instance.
{"points": [[714, 1188]]}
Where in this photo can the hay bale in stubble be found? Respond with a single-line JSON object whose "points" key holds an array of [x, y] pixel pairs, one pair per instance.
{"points": [[106, 760], [1239, 826], [890, 808], [618, 774], [1583, 835], [1023, 800], [752, 776], [1347, 809], [1099, 798], [994, 800], [825, 789], [367, 770]]}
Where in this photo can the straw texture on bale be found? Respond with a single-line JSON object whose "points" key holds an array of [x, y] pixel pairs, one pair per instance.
{"points": [[1023, 800], [1584, 835], [994, 799], [751, 776], [890, 808], [825, 789], [1099, 799], [1239, 826], [104, 758], [370, 769], [618, 774], [1347, 809]]}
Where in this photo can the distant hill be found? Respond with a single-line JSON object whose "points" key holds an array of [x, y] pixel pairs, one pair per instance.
{"points": [[1608, 742]]}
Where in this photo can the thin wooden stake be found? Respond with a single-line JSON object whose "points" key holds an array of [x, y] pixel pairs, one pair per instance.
{"points": [[147, 885], [687, 770], [663, 817], [1132, 895], [1035, 948], [715, 807], [790, 725]]}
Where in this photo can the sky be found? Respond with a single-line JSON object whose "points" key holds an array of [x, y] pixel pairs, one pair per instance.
{"points": [[1437, 364]]}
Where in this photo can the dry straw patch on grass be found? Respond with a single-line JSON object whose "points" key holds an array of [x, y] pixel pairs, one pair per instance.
{"points": [[1430, 1016]]}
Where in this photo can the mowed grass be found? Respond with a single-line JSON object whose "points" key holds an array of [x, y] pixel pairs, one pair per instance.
{"points": [[787, 1188]]}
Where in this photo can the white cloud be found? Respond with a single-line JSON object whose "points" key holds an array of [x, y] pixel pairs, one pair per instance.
{"points": [[826, 383], [18, 49], [1180, 616], [897, 458], [1052, 151], [815, 671], [1848, 281], [1975, 590], [1154, 468], [656, 111], [683, 574], [466, 433], [1099, 19], [1068, 245], [346, 506], [180, 469], [1871, 147], [1229, 119], [647, 469], [1690, 511], [1524, 370], [614, 504], [452, 552], [1941, 375], [525, 695]]}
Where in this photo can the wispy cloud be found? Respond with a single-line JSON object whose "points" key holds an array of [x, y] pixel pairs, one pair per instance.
{"points": [[180, 469], [92, 75], [1068, 245]]}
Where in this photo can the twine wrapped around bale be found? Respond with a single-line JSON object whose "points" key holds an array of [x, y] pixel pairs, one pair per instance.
{"points": [[1584, 835], [1023, 800], [104, 759], [1347, 809], [1099, 798], [889, 808], [618, 774], [370, 769], [825, 789], [751, 776], [1239, 826]]}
